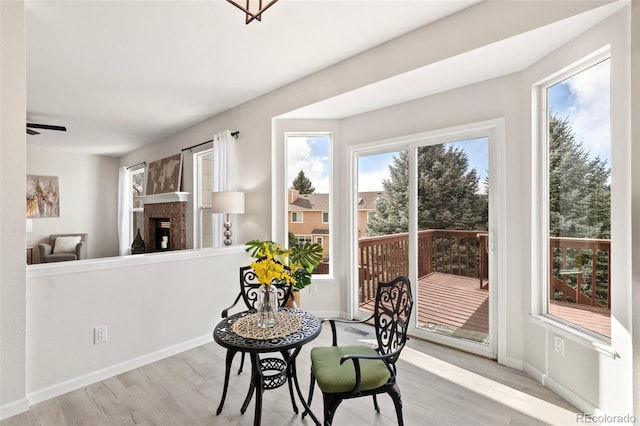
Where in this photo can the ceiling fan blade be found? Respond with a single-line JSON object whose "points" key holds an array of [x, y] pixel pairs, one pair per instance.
{"points": [[32, 132], [47, 127]]}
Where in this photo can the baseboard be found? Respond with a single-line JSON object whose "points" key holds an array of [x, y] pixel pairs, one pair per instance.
{"points": [[537, 375], [13, 408], [568, 395], [327, 314], [511, 362], [96, 376]]}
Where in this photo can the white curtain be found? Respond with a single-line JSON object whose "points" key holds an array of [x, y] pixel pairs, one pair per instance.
{"points": [[124, 209], [224, 170]]}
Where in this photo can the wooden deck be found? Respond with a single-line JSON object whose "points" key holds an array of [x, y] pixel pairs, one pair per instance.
{"points": [[589, 317], [456, 305], [453, 301]]}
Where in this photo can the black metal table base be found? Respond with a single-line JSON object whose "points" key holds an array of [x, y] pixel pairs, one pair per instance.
{"points": [[268, 373]]}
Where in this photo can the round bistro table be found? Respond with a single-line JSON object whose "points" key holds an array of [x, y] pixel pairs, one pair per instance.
{"points": [[284, 370]]}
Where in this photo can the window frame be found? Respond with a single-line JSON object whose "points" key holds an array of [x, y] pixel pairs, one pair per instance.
{"points": [[295, 214], [323, 130], [133, 210], [306, 238], [323, 215], [200, 209], [540, 190]]}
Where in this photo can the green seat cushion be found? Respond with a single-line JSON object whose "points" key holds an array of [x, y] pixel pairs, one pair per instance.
{"points": [[335, 378]]}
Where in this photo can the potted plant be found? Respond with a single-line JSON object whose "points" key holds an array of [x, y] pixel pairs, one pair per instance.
{"points": [[302, 258]]}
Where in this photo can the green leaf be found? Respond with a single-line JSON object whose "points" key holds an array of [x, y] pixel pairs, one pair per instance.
{"points": [[308, 255]]}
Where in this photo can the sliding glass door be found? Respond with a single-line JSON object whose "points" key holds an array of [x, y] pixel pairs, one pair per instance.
{"points": [[452, 211], [424, 211]]}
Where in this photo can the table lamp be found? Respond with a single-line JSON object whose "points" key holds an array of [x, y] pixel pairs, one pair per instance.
{"points": [[227, 202]]}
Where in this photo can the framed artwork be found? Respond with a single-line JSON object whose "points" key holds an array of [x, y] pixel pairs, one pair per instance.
{"points": [[164, 175], [43, 196]]}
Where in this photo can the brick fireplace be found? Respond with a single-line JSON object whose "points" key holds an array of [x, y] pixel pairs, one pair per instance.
{"points": [[165, 222]]}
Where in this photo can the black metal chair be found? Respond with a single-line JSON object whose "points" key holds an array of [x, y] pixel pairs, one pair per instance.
{"points": [[249, 293], [345, 372]]}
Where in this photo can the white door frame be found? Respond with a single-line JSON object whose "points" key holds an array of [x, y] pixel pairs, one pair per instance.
{"points": [[494, 130]]}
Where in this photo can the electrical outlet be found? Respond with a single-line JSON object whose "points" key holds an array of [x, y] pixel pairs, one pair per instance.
{"points": [[559, 345], [100, 334]]}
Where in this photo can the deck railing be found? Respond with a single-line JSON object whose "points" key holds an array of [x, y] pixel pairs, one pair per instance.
{"points": [[578, 265], [457, 252]]}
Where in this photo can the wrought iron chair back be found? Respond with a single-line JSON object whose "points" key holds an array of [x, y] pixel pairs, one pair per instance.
{"points": [[391, 315], [250, 289], [250, 294]]}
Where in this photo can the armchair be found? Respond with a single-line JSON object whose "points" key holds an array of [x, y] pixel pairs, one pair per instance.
{"points": [[344, 372], [63, 247]]}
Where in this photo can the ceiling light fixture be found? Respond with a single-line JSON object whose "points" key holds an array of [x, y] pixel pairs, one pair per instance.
{"points": [[257, 15]]}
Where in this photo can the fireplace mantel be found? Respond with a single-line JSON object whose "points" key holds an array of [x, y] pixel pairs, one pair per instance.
{"points": [[169, 197]]}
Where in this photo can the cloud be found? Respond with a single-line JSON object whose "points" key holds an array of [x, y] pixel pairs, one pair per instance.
{"points": [[371, 180], [588, 110], [300, 156]]}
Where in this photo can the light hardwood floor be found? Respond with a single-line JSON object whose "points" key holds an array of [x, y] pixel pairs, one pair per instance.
{"points": [[439, 386]]}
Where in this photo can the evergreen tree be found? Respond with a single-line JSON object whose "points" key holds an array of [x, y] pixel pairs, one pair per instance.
{"points": [[448, 196], [303, 184], [579, 189], [392, 215]]}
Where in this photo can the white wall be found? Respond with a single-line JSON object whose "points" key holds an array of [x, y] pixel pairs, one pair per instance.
{"points": [[584, 375], [633, 74], [13, 101], [153, 309], [88, 198], [154, 305]]}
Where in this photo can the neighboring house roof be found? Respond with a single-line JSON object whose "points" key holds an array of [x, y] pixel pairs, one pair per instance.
{"points": [[367, 200], [318, 231], [320, 202]]}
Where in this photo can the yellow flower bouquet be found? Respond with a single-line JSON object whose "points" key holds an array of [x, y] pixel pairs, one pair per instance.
{"points": [[271, 264], [293, 266]]}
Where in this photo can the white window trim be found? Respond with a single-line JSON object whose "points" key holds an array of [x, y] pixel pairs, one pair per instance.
{"points": [[328, 216], [308, 237], [296, 215], [197, 198], [280, 217], [540, 206], [133, 210], [495, 129]]}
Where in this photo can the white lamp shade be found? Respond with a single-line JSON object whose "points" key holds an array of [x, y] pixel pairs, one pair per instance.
{"points": [[230, 202]]}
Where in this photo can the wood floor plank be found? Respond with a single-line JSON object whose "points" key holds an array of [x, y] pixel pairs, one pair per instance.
{"points": [[439, 385]]}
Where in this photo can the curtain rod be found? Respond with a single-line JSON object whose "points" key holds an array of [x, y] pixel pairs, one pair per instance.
{"points": [[144, 162], [234, 134]]}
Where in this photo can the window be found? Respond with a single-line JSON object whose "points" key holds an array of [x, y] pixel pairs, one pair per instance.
{"points": [[204, 185], [308, 186], [302, 239], [136, 179], [576, 198], [319, 240]]}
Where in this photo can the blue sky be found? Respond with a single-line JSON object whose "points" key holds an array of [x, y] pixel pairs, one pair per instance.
{"points": [[373, 169], [582, 99], [311, 155]]}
